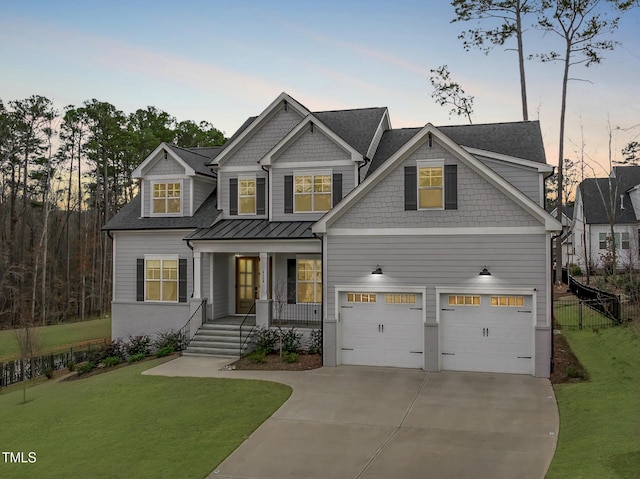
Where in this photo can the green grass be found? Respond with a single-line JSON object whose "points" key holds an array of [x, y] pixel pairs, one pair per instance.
{"points": [[600, 419], [59, 336], [567, 316], [123, 424]]}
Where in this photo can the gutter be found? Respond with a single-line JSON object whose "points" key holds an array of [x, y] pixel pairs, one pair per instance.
{"points": [[364, 163]]}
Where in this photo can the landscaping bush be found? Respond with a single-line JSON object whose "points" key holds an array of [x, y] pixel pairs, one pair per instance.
{"points": [[266, 340], [49, 372], [165, 351], [169, 338], [71, 365], [86, 367], [114, 348], [290, 357], [290, 340], [136, 357], [259, 356], [575, 270], [314, 344], [111, 361], [138, 345]]}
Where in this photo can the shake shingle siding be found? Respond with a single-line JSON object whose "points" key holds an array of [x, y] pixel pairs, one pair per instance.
{"points": [[312, 147]]}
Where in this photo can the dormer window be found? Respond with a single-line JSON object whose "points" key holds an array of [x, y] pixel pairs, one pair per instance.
{"points": [[167, 198], [247, 196]]}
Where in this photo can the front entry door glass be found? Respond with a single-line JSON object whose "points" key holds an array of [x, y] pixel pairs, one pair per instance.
{"points": [[247, 283]]}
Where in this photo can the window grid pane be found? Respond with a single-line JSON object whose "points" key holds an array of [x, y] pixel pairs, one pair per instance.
{"points": [[309, 280], [161, 280], [166, 198], [312, 193], [513, 301]]}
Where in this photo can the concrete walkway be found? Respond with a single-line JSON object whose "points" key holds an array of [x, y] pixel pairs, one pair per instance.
{"points": [[374, 423]]}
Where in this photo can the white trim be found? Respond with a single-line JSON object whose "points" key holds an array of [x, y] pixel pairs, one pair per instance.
{"points": [[314, 258], [541, 167], [211, 276], [547, 280], [197, 275], [258, 122], [311, 164], [269, 198], [142, 197], [167, 177], [137, 173], [162, 258], [234, 169], [256, 246], [435, 163], [114, 256], [385, 116], [474, 230], [255, 194], [190, 196], [394, 161], [154, 182], [312, 174]]}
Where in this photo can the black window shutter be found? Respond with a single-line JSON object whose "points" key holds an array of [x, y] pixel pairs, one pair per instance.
{"points": [[182, 280], [451, 187], [233, 196], [140, 279], [291, 281], [261, 184], [288, 194], [337, 188], [410, 188]]}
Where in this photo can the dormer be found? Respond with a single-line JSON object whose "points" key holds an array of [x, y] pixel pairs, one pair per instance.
{"points": [[173, 181]]}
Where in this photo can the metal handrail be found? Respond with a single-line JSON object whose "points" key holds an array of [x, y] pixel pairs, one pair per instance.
{"points": [[243, 343], [184, 331]]}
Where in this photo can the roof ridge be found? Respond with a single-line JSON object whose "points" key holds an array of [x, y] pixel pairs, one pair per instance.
{"points": [[351, 109], [189, 150], [493, 123]]}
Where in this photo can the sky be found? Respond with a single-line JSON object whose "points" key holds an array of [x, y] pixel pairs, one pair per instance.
{"points": [[223, 61]]}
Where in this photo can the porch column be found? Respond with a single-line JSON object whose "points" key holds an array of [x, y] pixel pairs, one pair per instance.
{"points": [[264, 276], [197, 275]]}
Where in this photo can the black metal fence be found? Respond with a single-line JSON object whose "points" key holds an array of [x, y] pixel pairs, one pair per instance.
{"points": [[15, 371], [575, 313], [606, 303], [301, 314]]}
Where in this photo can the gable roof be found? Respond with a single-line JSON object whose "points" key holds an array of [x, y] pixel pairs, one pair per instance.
{"points": [[518, 139], [396, 158], [196, 158], [596, 200], [357, 127]]}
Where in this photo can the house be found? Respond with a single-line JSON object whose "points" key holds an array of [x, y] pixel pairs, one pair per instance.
{"points": [[590, 230], [568, 250], [419, 247]]}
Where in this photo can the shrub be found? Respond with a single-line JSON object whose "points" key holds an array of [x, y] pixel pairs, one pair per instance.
{"points": [[164, 351], [138, 345], [86, 367], [290, 357], [71, 365], [114, 348], [266, 340], [136, 357], [290, 340], [574, 373], [259, 356], [49, 372], [575, 270], [314, 344], [169, 338], [111, 361]]}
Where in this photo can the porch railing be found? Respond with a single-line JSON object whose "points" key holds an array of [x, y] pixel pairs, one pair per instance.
{"points": [[300, 314], [247, 338], [185, 331]]}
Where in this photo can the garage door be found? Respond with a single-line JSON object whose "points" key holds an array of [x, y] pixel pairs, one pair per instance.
{"points": [[382, 329], [486, 332]]}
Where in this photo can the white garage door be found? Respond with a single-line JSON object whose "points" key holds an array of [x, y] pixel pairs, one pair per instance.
{"points": [[382, 329], [487, 332]]}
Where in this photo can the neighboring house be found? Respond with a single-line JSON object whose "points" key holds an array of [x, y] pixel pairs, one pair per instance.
{"points": [[568, 250], [422, 247], [590, 231]]}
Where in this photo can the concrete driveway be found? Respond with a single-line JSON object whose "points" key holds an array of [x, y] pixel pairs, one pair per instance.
{"points": [[380, 423]]}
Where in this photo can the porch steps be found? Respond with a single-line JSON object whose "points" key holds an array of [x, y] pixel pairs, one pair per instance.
{"points": [[221, 340]]}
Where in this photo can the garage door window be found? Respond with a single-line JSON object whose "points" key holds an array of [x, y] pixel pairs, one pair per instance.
{"points": [[459, 300], [507, 300], [361, 298], [401, 298]]}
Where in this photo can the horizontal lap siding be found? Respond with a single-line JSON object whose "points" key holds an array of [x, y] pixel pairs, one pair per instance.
{"points": [[136, 319], [525, 179], [514, 261], [221, 279], [131, 246]]}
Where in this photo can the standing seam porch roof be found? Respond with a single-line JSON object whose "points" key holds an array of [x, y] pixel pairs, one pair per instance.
{"points": [[254, 230]]}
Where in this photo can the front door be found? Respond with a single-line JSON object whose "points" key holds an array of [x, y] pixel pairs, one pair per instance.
{"points": [[247, 283]]}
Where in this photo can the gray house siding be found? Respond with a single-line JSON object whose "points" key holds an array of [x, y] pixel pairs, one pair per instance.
{"points": [[201, 190], [277, 190], [223, 188], [164, 166], [312, 147], [265, 138], [524, 178], [515, 261], [221, 280], [479, 203], [185, 194]]}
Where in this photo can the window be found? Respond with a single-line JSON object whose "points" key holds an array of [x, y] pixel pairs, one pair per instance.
{"points": [[430, 186], [247, 196], [507, 300], [622, 240], [309, 280], [312, 193], [361, 298], [401, 298], [460, 300], [161, 280], [166, 198]]}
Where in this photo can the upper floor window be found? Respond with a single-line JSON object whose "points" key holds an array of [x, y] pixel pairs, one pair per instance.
{"points": [[312, 193], [166, 198], [247, 196], [430, 185]]}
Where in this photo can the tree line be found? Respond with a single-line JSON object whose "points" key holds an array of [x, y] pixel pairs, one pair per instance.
{"points": [[63, 175]]}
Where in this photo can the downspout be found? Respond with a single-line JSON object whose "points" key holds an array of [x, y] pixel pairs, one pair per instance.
{"points": [[364, 163], [193, 268], [324, 277]]}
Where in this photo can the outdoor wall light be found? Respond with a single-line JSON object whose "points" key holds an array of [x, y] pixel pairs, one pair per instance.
{"points": [[484, 272], [378, 270]]}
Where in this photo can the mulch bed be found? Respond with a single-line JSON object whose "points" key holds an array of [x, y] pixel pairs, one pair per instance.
{"points": [[567, 367], [275, 363]]}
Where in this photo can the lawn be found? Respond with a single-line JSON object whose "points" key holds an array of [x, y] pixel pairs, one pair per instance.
{"points": [[123, 424], [600, 419], [570, 315], [57, 337]]}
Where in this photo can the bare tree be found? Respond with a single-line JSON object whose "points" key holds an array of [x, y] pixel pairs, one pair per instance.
{"points": [[27, 338], [448, 92]]}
